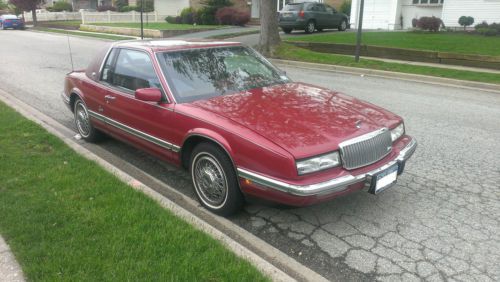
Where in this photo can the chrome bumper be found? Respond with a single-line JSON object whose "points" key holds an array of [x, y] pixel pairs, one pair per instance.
{"points": [[330, 186], [65, 99]]}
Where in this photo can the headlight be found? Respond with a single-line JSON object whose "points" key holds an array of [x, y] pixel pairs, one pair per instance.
{"points": [[397, 132], [318, 163]]}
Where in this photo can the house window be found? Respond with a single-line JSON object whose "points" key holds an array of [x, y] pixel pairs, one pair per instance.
{"points": [[425, 2]]}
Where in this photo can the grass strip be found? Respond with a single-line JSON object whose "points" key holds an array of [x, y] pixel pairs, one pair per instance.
{"points": [[67, 219], [160, 26], [290, 52], [234, 34], [86, 34], [453, 42]]}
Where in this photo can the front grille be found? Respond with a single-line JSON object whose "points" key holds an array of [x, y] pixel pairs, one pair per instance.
{"points": [[366, 149]]}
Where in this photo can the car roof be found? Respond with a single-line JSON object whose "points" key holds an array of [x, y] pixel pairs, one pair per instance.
{"points": [[9, 17], [161, 45]]}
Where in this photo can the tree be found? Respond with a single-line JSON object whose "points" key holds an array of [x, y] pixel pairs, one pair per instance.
{"points": [[269, 33], [27, 5], [346, 7], [3, 6], [465, 21]]}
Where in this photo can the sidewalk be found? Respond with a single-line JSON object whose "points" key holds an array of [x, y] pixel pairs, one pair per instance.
{"points": [[10, 271], [443, 66]]}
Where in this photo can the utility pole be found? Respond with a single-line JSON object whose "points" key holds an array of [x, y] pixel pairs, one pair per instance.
{"points": [[360, 27], [142, 21]]}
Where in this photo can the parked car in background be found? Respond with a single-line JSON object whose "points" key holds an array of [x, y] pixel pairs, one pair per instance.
{"points": [[310, 16], [238, 124], [11, 21]]}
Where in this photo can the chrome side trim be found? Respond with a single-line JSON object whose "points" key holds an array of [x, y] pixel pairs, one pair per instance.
{"points": [[330, 186], [135, 132]]}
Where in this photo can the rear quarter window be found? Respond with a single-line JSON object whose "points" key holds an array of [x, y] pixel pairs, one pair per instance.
{"points": [[293, 7]]}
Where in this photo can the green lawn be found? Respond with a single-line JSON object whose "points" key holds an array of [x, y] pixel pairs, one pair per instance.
{"points": [[67, 219], [289, 52], [160, 26], [453, 42]]}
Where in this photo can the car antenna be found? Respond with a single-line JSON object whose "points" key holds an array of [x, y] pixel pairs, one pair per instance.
{"points": [[70, 53]]}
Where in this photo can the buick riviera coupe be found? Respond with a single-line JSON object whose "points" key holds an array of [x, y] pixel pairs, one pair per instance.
{"points": [[238, 124]]}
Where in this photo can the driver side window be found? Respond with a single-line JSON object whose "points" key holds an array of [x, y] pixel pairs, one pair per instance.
{"points": [[132, 70]]}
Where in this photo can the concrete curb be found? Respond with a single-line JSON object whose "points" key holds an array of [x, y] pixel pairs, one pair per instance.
{"points": [[10, 271], [269, 260], [393, 75]]}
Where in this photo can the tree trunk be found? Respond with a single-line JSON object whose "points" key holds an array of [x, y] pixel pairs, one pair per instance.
{"points": [[269, 33], [33, 15]]}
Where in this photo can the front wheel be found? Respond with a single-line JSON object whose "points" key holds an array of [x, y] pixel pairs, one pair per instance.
{"points": [[287, 30], [311, 26], [214, 180], [83, 124], [343, 25]]}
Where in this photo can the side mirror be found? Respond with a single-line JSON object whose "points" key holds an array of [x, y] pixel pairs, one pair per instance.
{"points": [[148, 94]]}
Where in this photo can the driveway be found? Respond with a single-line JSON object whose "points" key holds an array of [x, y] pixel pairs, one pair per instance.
{"points": [[440, 222]]}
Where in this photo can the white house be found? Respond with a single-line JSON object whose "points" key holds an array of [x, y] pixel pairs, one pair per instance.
{"points": [[170, 7], [398, 14], [174, 7]]}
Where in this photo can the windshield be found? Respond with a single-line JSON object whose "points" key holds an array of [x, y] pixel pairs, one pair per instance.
{"points": [[204, 73]]}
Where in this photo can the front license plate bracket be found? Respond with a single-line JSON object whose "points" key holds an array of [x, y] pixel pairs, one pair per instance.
{"points": [[383, 180]]}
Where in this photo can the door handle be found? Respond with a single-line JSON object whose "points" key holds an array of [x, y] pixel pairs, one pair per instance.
{"points": [[109, 98]]}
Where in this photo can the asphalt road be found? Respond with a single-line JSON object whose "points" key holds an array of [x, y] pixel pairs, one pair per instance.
{"points": [[440, 222]]}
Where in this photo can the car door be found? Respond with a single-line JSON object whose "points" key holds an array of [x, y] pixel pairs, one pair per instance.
{"points": [[334, 17], [321, 15], [148, 125]]}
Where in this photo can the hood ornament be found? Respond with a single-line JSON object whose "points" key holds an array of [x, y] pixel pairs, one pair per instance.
{"points": [[358, 124]]}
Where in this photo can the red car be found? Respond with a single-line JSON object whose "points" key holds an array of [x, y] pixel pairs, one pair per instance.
{"points": [[237, 123]]}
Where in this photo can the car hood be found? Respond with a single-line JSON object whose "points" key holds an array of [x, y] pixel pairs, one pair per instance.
{"points": [[303, 119]]}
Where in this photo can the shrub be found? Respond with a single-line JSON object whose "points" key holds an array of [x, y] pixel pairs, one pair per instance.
{"points": [[465, 21], [345, 7], [119, 4], [170, 19], [60, 6], [231, 16], [206, 15], [495, 26], [481, 25], [429, 23], [487, 31], [104, 8], [188, 16], [149, 6], [125, 9], [414, 23]]}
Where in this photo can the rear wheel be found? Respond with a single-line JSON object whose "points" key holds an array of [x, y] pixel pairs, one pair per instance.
{"points": [[310, 27], [343, 25], [214, 180], [287, 30], [83, 124]]}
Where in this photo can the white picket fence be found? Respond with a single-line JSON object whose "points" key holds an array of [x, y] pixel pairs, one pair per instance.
{"points": [[115, 17], [54, 16], [97, 17]]}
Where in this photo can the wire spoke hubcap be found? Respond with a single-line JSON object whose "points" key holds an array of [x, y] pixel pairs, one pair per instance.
{"points": [[210, 180], [82, 120]]}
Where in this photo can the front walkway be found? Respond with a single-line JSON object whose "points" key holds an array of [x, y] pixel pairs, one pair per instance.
{"points": [[10, 271]]}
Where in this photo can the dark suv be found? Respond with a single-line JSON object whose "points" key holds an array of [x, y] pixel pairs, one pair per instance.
{"points": [[310, 17]]}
